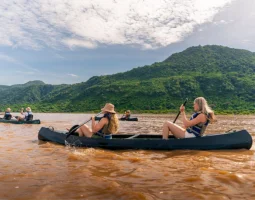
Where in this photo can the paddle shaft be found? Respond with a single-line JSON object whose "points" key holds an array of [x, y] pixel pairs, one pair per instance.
{"points": [[74, 129], [180, 111]]}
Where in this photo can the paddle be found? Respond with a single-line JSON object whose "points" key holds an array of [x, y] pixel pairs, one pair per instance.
{"points": [[75, 127], [180, 111]]}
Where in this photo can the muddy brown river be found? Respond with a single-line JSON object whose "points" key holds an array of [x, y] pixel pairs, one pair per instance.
{"points": [[32, 169]]}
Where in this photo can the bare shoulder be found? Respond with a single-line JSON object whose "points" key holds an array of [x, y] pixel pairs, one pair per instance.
{"points": [[202, 117], [104, 121]]}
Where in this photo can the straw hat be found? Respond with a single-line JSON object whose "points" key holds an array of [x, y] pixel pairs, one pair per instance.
{"points": [[28, 109], [8, 110], [108, 108]]}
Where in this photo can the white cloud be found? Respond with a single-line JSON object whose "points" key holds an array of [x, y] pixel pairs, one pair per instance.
{"points": [[31, 68], [59, 56], [7, 58], [73, 75], [89, 23], [79, 43], [25, 72], [10, 59], [222, 22], [246, 41]]}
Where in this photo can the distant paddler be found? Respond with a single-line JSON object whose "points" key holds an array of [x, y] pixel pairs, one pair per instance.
{"points": [[25, 116], [7, 114], [126, 115]]}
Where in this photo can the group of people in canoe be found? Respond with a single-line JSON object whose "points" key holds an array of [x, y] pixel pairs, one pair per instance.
{"points": [[24, 115], [193, 127]]}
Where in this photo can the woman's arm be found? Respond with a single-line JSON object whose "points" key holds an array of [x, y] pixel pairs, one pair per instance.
{"points": [[201, 118], [96, 127]]}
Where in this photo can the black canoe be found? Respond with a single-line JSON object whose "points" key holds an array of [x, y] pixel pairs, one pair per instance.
{"points": [[129, 119], [13, 121], [122, 119], [235, 140]]}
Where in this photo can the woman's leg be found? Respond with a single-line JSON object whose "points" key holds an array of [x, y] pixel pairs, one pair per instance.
{"points": [[176, 130], [20, 118], [85, 131]]}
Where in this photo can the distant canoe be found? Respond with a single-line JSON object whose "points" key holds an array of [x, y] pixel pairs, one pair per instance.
{"points": [[122, 119], [235, 140], [12, 121], [129, 119]]}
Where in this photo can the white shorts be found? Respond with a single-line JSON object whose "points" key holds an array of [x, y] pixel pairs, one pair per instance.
{"points": [[189, 135]]}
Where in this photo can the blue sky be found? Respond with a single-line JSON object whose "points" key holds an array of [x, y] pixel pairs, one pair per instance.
{"points": [[63, 41]]}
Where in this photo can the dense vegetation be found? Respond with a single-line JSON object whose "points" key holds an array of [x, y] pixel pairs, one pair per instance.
{"points": [[224, 76]]}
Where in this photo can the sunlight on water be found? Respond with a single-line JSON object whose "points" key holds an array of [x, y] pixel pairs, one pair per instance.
{"points": [[32, 169]]}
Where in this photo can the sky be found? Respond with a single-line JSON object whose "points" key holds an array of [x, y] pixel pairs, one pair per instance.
{"points": [[63, 41]]}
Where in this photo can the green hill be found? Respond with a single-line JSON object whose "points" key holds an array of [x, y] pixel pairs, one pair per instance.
{"points": [[224, 76]]}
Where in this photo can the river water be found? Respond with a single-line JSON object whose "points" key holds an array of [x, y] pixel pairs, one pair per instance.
{"points": [[32, 169]]}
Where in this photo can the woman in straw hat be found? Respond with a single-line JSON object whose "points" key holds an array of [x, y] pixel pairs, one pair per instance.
{"points": [[107, 126], [25, 116]]}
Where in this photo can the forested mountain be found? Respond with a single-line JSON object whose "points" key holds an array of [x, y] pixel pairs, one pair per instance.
{"points": [[224, 76]]}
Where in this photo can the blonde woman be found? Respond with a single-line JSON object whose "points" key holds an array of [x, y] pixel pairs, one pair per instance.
{"points": [[196, 125], [107, 126]]}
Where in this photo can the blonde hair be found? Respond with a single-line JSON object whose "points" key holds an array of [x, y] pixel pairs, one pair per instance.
{"points": [[205, 108], [114, 123]]}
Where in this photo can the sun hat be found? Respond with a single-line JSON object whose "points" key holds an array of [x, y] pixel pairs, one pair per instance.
{"points": [[8, 110], [108, 108], [28, 109]]}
